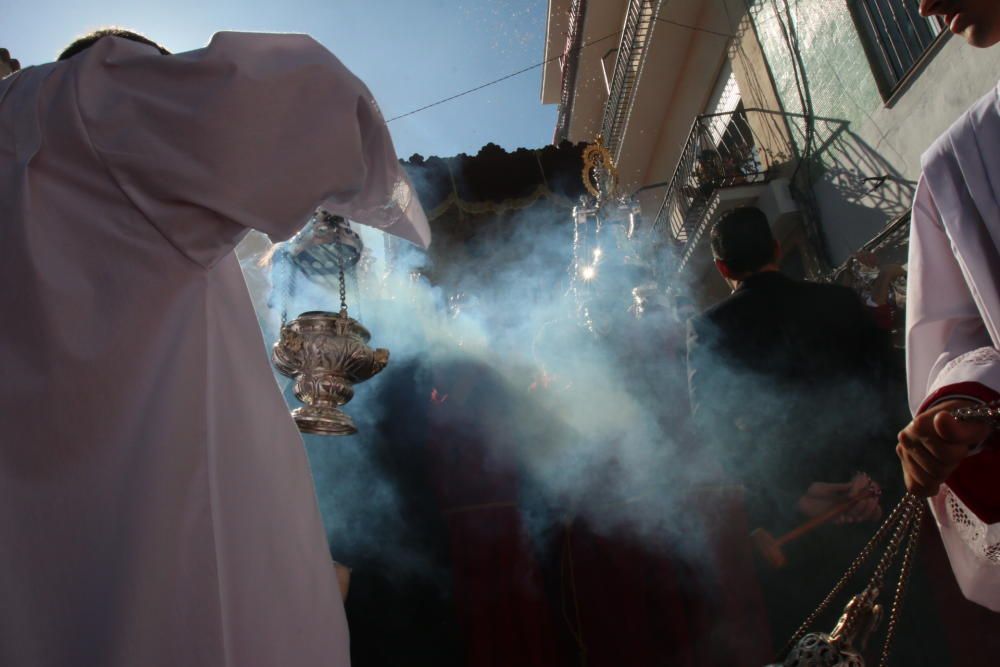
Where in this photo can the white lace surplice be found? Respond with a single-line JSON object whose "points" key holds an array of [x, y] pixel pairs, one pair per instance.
{"points": [[953, 315]]}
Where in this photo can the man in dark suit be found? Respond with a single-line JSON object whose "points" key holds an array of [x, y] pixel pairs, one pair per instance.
{"points": [[785, 384]]}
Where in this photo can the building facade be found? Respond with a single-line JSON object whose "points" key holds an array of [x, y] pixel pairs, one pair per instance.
{"points": [[817, 111]]}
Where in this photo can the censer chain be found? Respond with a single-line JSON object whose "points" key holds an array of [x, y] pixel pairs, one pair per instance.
{"points": [[904, 577], [905, 516], [987, 412], [904, 520], [343, 284], [860, 560], [284, 259]]}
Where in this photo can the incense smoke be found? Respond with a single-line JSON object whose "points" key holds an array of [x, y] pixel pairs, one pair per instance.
{"points": [[594, 425]]}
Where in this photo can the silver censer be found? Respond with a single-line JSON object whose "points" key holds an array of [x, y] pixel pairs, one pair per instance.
{"points": [[326, 353]]}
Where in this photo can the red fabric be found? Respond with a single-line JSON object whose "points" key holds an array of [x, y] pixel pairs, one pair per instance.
{"points": [[630, 603], [498, 591], [973, 389], [621, 601], [624, 603], [976, 482], [737, 621], [498, 585], [882, 315]]}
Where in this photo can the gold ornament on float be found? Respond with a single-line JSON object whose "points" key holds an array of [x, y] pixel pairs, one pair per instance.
{"points": [[600, 176]]}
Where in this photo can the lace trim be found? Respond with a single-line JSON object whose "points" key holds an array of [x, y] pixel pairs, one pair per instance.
{"points": [[983, 539], [984, 356]]}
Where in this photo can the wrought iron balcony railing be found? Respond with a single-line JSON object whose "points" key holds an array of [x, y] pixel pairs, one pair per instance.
{"points": [[721, 151], [893, 236], [569, 63], [637, 31]]}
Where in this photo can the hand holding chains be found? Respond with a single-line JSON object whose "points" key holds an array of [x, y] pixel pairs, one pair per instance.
{"points": [[844, 646]]}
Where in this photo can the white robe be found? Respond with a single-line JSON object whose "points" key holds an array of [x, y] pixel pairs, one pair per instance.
{"points": [[953, 326], [156, 505]]}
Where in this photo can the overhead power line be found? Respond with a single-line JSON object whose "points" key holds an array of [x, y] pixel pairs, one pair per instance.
{"points": [[542, 64], [694, 28], [503, 78]]}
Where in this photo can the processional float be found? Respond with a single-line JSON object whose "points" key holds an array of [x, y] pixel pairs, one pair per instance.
{"points": [[604, 225]]}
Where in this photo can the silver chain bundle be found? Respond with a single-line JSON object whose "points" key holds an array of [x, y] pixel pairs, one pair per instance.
{"points": [[843, 647]]}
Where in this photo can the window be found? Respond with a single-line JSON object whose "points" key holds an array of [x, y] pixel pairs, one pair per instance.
{"points": [[896, 38]]}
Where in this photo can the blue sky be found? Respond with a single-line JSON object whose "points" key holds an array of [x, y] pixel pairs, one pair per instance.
{"points": [[409, 52]]}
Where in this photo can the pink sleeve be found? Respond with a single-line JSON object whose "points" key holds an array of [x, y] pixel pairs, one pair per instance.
{"points": [[252, 131]]}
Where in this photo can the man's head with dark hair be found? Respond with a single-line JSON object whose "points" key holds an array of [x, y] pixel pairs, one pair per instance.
{"points": [[87, 41], [742, 243]]}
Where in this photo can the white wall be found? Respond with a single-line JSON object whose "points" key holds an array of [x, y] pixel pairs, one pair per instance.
{"points": [[896, 136]]}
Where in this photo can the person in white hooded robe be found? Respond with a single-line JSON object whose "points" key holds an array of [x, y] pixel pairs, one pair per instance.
{"points": [[156, 504], [953, 324]]}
